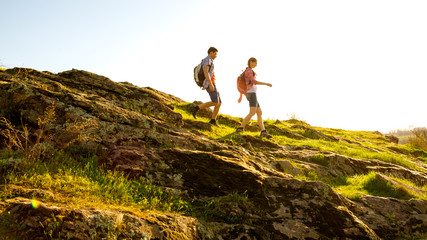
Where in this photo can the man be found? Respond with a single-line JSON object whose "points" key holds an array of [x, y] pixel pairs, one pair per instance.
{"points": [[209, 85]]}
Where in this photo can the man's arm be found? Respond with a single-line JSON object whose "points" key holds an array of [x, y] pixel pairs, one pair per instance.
{"points": [[208, 77]]}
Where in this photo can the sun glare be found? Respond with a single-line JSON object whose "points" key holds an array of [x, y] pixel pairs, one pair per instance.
{"points": [[35, 204]]}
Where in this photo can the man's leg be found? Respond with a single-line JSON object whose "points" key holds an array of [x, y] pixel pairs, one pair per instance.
{"points": [[206, 105], [195, 109], [215, 101], [216, 110]]}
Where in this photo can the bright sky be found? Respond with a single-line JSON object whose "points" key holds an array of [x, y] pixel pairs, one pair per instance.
{"points": [[356, 65]]}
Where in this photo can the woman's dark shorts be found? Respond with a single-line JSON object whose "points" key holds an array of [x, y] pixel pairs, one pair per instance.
{"points": [[253, 101], [214, 95]]}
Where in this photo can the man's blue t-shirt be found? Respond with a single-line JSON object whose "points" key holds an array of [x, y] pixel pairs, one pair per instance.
{"points": [[208, 61]]}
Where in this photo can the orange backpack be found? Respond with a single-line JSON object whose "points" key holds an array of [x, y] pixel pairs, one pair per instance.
{"points": [[242, 86]]}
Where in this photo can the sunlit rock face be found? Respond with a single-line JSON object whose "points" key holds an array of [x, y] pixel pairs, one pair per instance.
{"points": [[139, 133]]}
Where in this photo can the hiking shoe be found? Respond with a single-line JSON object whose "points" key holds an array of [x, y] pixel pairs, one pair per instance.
{"points": [[194, 111], [213, 122], [264, 133], [239, 130]]}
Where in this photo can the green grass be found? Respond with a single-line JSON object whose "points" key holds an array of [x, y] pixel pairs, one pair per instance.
{"points": [[82, 182], [367, 140], [361, 145], [349, 150], [224, 132], [407, 182], [320, 159], [370, 184], [411, 150], [212, 210], [308, 175]]}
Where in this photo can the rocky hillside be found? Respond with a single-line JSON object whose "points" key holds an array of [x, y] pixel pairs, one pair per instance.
{"points": [[84, 157]]}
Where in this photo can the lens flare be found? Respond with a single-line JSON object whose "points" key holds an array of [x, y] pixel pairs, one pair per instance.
{"points": [[35, 204]]}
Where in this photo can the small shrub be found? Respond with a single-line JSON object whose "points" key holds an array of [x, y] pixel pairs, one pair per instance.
{"points": [[20, 139], [238, 197], [320, 159], [81, 131], [308, 175], [20, 74], [419, 138], [31, 150], [213, 210]]}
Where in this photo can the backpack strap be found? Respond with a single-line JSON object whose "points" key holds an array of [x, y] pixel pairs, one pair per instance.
{"points": [[249, 84]]}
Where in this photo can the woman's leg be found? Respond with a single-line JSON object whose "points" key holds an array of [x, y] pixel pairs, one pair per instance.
{"points": [[252, 111], [264, 132], [259, 118]]}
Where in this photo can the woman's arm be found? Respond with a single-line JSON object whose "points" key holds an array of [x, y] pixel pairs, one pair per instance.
{"points": [[263, 83]]}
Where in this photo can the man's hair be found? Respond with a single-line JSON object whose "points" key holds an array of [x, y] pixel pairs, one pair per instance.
{"points": [[212, 49]]}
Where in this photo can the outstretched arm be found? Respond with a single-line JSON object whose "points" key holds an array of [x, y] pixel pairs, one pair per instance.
{"points": [[263, 83]]}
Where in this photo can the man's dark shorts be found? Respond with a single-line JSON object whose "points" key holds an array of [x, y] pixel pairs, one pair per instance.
{"points": [[214, 95], [253, 101]]}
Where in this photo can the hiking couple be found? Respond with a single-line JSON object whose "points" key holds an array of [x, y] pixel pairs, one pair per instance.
{"points": [[251, 96]]}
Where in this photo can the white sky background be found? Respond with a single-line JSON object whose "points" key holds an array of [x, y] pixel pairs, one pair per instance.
{"points": [[356, 65]]}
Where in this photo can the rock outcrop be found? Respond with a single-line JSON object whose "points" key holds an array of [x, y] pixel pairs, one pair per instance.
{"points": [[140, 134]]}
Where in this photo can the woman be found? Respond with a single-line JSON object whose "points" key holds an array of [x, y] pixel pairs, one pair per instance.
{"points": [[251, 96]]}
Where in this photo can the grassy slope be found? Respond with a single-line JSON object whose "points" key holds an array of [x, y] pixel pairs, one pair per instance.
{"points": [[351, 186], [80, 183]]}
